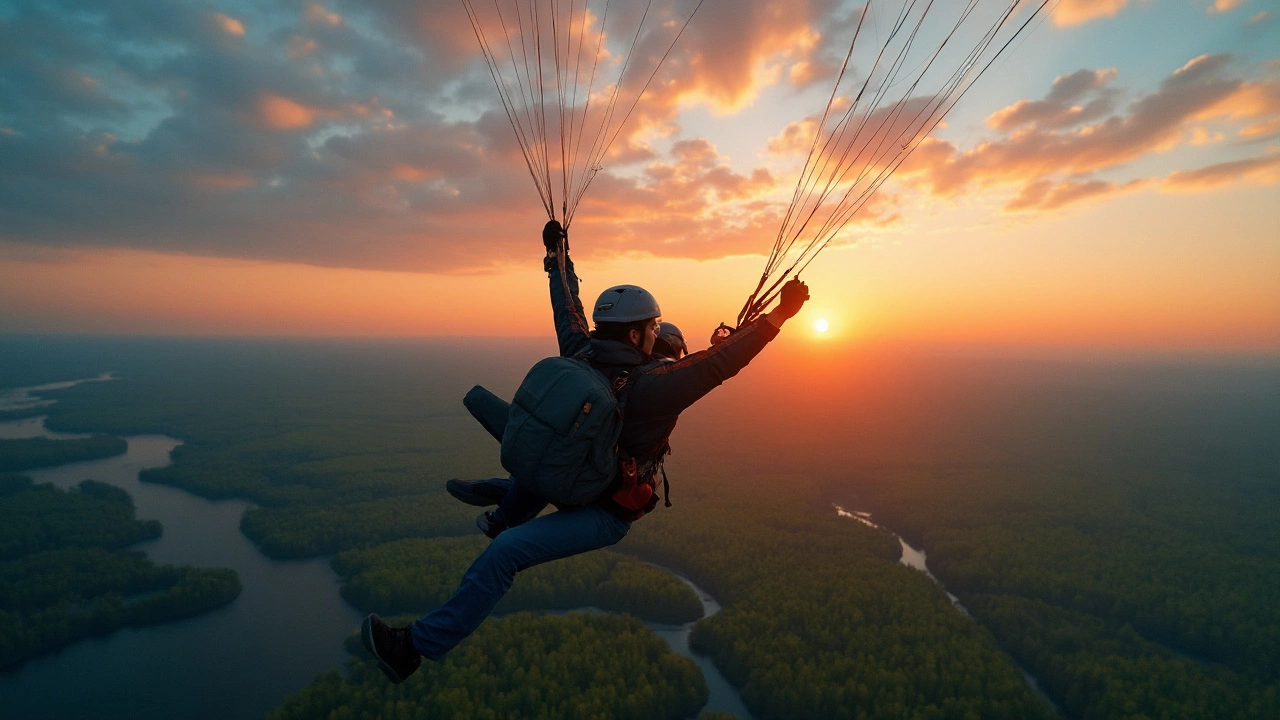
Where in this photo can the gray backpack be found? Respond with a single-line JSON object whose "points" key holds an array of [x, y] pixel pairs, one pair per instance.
{"points": [[561, 437]]}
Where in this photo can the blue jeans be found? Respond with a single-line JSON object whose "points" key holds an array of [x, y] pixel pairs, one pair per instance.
{"points": [[519, 505], [515, 503], [550, 537]]}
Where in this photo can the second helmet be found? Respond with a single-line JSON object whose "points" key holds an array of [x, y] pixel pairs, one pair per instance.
{"points": [[671, 335]]}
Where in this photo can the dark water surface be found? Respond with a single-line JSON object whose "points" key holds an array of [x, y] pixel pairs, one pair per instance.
{"points": [[239, 661], [724, 696], [1049, 418]]}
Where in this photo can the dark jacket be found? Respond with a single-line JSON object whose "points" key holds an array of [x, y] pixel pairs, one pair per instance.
{"points": [[661, 390]]}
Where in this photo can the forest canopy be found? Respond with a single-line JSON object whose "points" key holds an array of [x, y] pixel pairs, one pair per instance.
{"points": [[31, 453], [1109, 527], [63, 575], [577, 666], [415, 575]]}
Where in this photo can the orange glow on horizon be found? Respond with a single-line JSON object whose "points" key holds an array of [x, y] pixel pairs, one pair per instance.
{"points": [[1152, 275], [129, 292], [1091, 200]]}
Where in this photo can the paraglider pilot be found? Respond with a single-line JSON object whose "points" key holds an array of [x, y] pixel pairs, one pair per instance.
{"points": [[626, 321]]}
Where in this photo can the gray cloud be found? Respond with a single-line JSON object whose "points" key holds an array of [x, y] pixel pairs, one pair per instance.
{"points": [[367, 134], [249, 130], [1051, 153], [350, 133], [1264, 169], [1061, 108]]}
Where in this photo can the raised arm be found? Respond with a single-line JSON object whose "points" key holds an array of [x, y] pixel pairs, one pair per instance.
{"points": [[670, 388], [572, 331]]}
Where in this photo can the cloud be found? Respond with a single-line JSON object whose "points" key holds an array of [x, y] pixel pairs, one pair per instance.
{"points": [[369, 135], [1050, 156], [732, 51], [281, 113], [198, 139], [1061, 108], [1077, 12], [858, 151], [229, 24], [726, 57], [687, 205], [1042, 195], [795, 139], [1264, 170], [1257, 103], [347, 133], [1222, 6], [317, 13]]}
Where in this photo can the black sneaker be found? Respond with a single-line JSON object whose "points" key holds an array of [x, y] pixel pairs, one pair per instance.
{"points": [[481, 493], [397, 658], [490, 525]]}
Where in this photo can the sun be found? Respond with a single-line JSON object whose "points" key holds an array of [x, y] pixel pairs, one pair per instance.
{"points": [[821, 325]]}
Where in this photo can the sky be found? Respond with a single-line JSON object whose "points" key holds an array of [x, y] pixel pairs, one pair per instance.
{"points": [[284, 167]]}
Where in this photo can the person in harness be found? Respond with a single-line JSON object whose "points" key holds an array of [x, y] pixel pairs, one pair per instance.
{"points": [[626, 319], [620, 348], [492, 412]]}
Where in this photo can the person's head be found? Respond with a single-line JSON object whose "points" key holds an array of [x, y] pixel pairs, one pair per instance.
{"points": [[670, 342], [628, 314]]}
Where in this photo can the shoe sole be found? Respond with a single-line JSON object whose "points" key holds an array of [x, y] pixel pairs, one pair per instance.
{"points": [[366, 637], [471, 498]]}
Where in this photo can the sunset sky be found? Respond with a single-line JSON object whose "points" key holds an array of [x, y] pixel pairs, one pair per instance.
{"points": [[282, 167]]}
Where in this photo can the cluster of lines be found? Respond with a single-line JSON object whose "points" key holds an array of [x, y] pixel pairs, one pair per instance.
{"points": [[889, 113], [538, 54]]}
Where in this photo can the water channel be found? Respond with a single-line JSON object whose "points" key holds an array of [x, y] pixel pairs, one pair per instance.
{"points": [[239, 661], [911, 557]]}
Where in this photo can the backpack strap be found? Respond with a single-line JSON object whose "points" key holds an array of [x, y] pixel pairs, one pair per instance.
{"points": [[621, 387], [623, 383], [622, 390], [666, 486]]}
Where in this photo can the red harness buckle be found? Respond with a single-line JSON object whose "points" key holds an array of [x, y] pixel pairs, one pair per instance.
{"points": [[632, 495]]}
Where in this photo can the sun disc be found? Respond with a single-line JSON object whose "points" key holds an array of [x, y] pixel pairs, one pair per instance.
{"points": [[820, 325]]}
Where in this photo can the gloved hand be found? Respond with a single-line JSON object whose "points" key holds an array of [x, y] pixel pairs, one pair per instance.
{"points": [[792, 298], [552, 233], [721, 333]]}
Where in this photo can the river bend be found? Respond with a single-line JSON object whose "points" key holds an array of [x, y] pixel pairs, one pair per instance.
{"points": [[239, 661]]}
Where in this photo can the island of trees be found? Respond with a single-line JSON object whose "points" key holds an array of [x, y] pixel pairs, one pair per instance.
{"points": [[64, 575], [580, 666], [32, 453], [416, 575], [1111, 530]]}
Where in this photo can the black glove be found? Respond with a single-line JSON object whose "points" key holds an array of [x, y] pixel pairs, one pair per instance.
{"points": [[721, 333], [792, 298], [552, 234]]}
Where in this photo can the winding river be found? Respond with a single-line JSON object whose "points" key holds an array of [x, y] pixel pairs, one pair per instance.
{"points": [[244, 659], [239, 661], [911, 557], [724, 696]]}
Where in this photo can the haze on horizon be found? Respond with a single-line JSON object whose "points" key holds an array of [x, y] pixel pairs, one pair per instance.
{"points": [[309, 168]]}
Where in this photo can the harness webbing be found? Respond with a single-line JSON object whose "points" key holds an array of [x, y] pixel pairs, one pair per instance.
{"points": [[666, 486]]}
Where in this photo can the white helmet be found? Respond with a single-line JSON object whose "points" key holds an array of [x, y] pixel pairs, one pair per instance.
{"points": [[625, 303]]}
